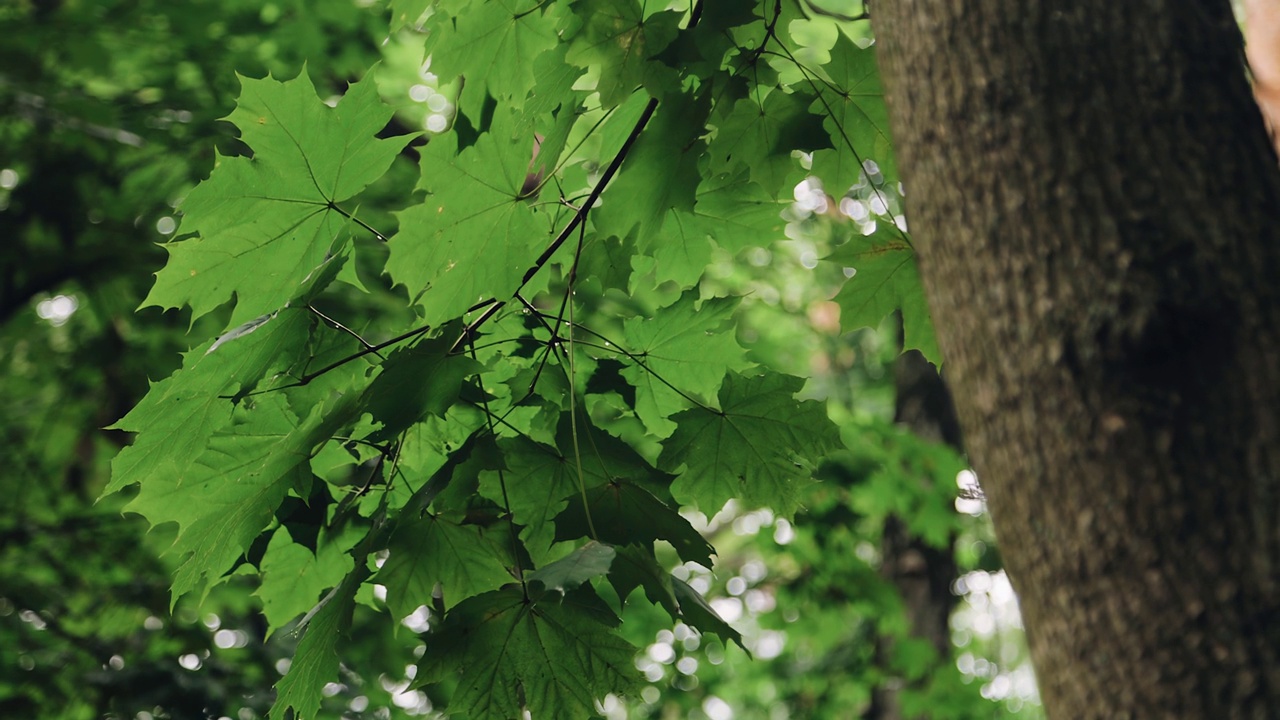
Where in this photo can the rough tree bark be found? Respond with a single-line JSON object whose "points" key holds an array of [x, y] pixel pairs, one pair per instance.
{"points": [[1096, 208]]}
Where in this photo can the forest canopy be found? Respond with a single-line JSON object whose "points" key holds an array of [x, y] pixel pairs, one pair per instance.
{"points": [[489, 358]]}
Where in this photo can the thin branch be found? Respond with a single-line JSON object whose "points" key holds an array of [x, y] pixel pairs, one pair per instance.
{"points": [[344, 329], [308, 377], [579, 216], [573, 223], [552, 341], [347, 502], [573, 387], [368, 228]]}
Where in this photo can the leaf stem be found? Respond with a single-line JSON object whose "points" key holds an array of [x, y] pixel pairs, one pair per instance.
{"points": [[573, 387], [551, 344], [502, 483], [308, 377], [344, 329], [369, 228], [610, 346]]}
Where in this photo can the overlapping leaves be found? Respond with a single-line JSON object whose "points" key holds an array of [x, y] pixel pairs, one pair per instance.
{"points": [[510, 654], [474, 237], [748, 449], [467, 453], [262, 225]]}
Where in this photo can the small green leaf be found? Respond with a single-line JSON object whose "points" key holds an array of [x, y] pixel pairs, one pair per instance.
{"points": [[619, 40], [623, 513], [884, 279], [541, 480], [660, 172], [749, 450], [223, 499], [589, 561], [855, 117], [179, 414], [728, 209], [553, 84], [416, 381], [293, 577], [407, 13], [699, 614], [636, 566], [493, 44], [509, 654], [737, 213], [316, 661], [473, 237], [689, 346], [431, 550], [760, 135]]}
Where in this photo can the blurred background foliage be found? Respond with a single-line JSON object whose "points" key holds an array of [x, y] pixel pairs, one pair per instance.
{"points": [[883, 599]]}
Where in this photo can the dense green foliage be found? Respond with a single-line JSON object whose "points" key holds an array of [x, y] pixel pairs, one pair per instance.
{"points": [[464, 398]]}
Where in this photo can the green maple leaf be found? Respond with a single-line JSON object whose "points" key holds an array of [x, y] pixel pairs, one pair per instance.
{"points": [[293, 576], [541, 479], [493, 44], [695, 610], [702, 49], [884, 279], [729, 209], [737, 213], [589, 561], [223, 499], [681, 253], [618, 39], [636, 566], [688, 346], [855, 117], [748, 450], [760, 135], [426, 445], [208, 462], [604, 142], [315, 663], [416, 381], [179, 414], [264, 224], [553, 83], [431, 550], [510, 654], [474, 236], [660, 173], [407, 13], [624, 514]]}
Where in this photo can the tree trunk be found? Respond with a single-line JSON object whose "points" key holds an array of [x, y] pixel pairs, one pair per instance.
{"points": [[1096, 208]]}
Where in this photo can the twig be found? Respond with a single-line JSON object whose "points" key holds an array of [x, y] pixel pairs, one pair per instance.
{"points": [[574, 221]]}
